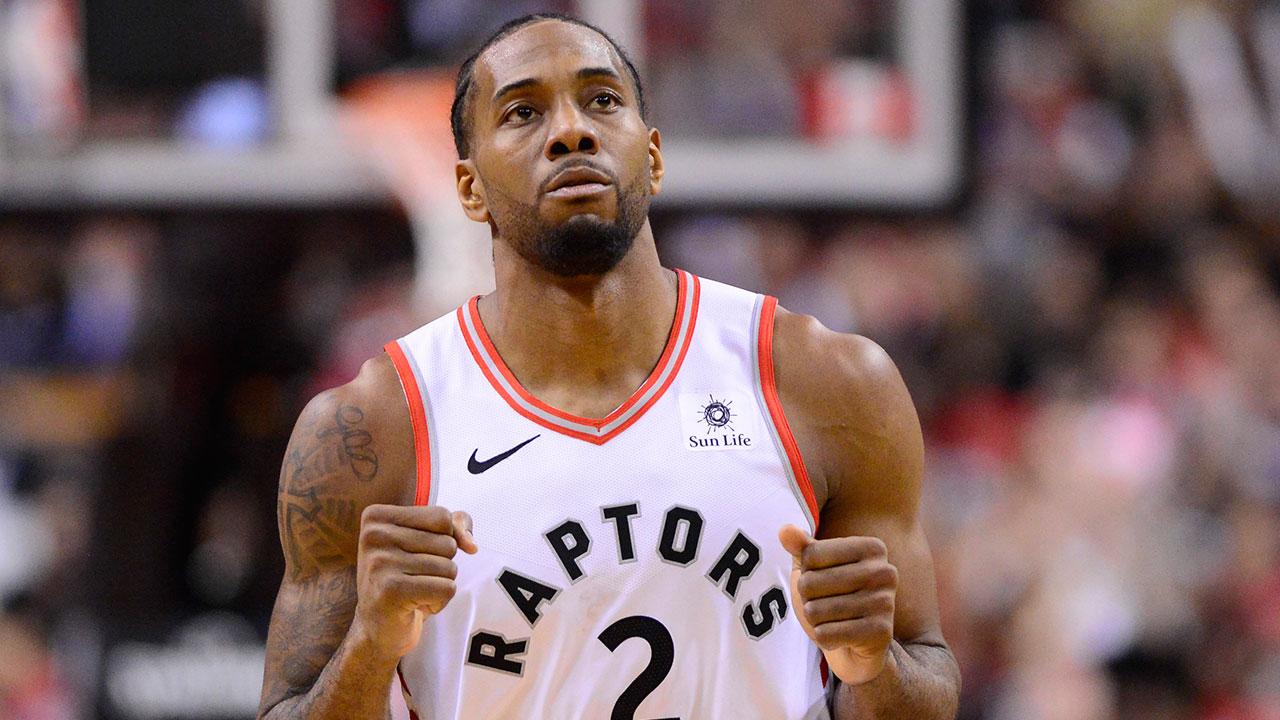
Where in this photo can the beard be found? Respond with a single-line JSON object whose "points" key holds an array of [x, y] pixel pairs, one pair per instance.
{"points": [[583, 244]]}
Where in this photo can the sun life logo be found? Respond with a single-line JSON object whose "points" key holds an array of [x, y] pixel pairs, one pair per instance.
{"points": [[717, 421], [716, 415]]}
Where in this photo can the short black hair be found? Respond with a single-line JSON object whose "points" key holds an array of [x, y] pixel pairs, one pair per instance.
{"points": [[462, 88]]}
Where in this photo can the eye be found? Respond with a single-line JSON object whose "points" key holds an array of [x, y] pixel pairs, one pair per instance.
{"points": [[604, 101], [519, 114]]}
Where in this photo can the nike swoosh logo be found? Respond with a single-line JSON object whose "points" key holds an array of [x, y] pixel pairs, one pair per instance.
{"points": [[475, 467]]}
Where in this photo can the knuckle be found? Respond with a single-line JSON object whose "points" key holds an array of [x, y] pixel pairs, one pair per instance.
{"points": [[441, 567], [884, 575], [448, 546], [374, 533], [447, 589], [374, 562], [809, 555], [805, 585], [372, 513], [877, 546], [827, 637], [387, 586]]}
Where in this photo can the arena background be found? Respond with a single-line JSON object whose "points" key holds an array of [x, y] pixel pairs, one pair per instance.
{"points": [[1059, 217]]}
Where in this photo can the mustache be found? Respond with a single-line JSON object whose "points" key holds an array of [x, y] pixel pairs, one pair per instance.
{"points": [[542, 186]]}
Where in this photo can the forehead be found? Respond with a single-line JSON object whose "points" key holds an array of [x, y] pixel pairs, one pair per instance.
{"points": [[543, 51]]}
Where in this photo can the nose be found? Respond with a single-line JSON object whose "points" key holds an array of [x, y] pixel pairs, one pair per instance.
{"points": [[569, 131]]}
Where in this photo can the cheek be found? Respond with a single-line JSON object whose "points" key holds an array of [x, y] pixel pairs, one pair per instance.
{"points": [[509, 142], [638, 152], [512, 143], [642, 163], [502, 177]]}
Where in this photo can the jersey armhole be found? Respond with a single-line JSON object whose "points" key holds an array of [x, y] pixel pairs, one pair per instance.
{"points": [[418, 419], [767, 387]]}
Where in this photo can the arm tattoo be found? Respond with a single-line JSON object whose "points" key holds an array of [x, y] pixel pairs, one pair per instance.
{"points": [[308, 626], [357, 444], [319, 518]]}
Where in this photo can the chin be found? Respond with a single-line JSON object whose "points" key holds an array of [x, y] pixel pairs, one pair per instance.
{"points": [[583, 245]]}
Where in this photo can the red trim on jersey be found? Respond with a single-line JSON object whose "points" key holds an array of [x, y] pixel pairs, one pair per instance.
{"points": [[405, 686], [418, 418], [824, 672], [688, 291], [769, 385]]}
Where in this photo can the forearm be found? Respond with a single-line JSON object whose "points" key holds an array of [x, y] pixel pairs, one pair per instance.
{"points": [[355, 683], [920, 682]]}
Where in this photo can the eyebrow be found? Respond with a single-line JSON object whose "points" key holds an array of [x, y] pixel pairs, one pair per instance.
{"points": [[591, 72], [512, 87], [583, 74]]}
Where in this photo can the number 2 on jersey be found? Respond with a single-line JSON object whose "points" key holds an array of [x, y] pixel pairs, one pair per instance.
{"points": [[662, 653]]}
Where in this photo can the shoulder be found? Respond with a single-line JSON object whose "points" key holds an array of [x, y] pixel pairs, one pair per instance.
{"points": [[375, 389], [849, 408], [358, 437]]}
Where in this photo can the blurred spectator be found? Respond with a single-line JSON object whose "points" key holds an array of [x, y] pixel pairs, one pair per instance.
{"points": [[31, 687], [30, 299]]}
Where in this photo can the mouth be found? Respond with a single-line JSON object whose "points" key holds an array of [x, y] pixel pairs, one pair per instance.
{"points": [[578, 182]]}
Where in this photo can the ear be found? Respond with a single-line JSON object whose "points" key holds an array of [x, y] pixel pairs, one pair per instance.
{"points": [[656, 168], [471, 191]]}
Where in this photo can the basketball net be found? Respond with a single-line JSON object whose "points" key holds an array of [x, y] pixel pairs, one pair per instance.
{"points": [[399, 122]]}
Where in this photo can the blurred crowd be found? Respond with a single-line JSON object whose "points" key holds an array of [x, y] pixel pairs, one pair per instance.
{"points": [[151, 367], [1092, 339], [1091, 335]]}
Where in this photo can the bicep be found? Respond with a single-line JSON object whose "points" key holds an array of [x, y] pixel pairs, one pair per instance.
{"points": [[876, 454]]}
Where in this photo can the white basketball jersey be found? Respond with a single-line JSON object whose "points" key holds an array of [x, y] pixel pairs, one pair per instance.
{"points": [[629, 566]]}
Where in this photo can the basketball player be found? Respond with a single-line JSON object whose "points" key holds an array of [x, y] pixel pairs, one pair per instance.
{"points": [[672, 498]]}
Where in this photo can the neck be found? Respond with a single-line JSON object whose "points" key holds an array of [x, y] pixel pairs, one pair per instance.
{"points": [[583, 344]]}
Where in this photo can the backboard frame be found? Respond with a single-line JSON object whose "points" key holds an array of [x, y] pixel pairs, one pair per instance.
{"points": [[924, 171]]}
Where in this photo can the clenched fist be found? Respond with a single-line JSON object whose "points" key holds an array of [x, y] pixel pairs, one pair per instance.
{"points": [[405, 570], [844, 591]]}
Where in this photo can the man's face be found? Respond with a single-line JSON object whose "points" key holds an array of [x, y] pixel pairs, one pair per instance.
{"points": [[563, 159]]}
